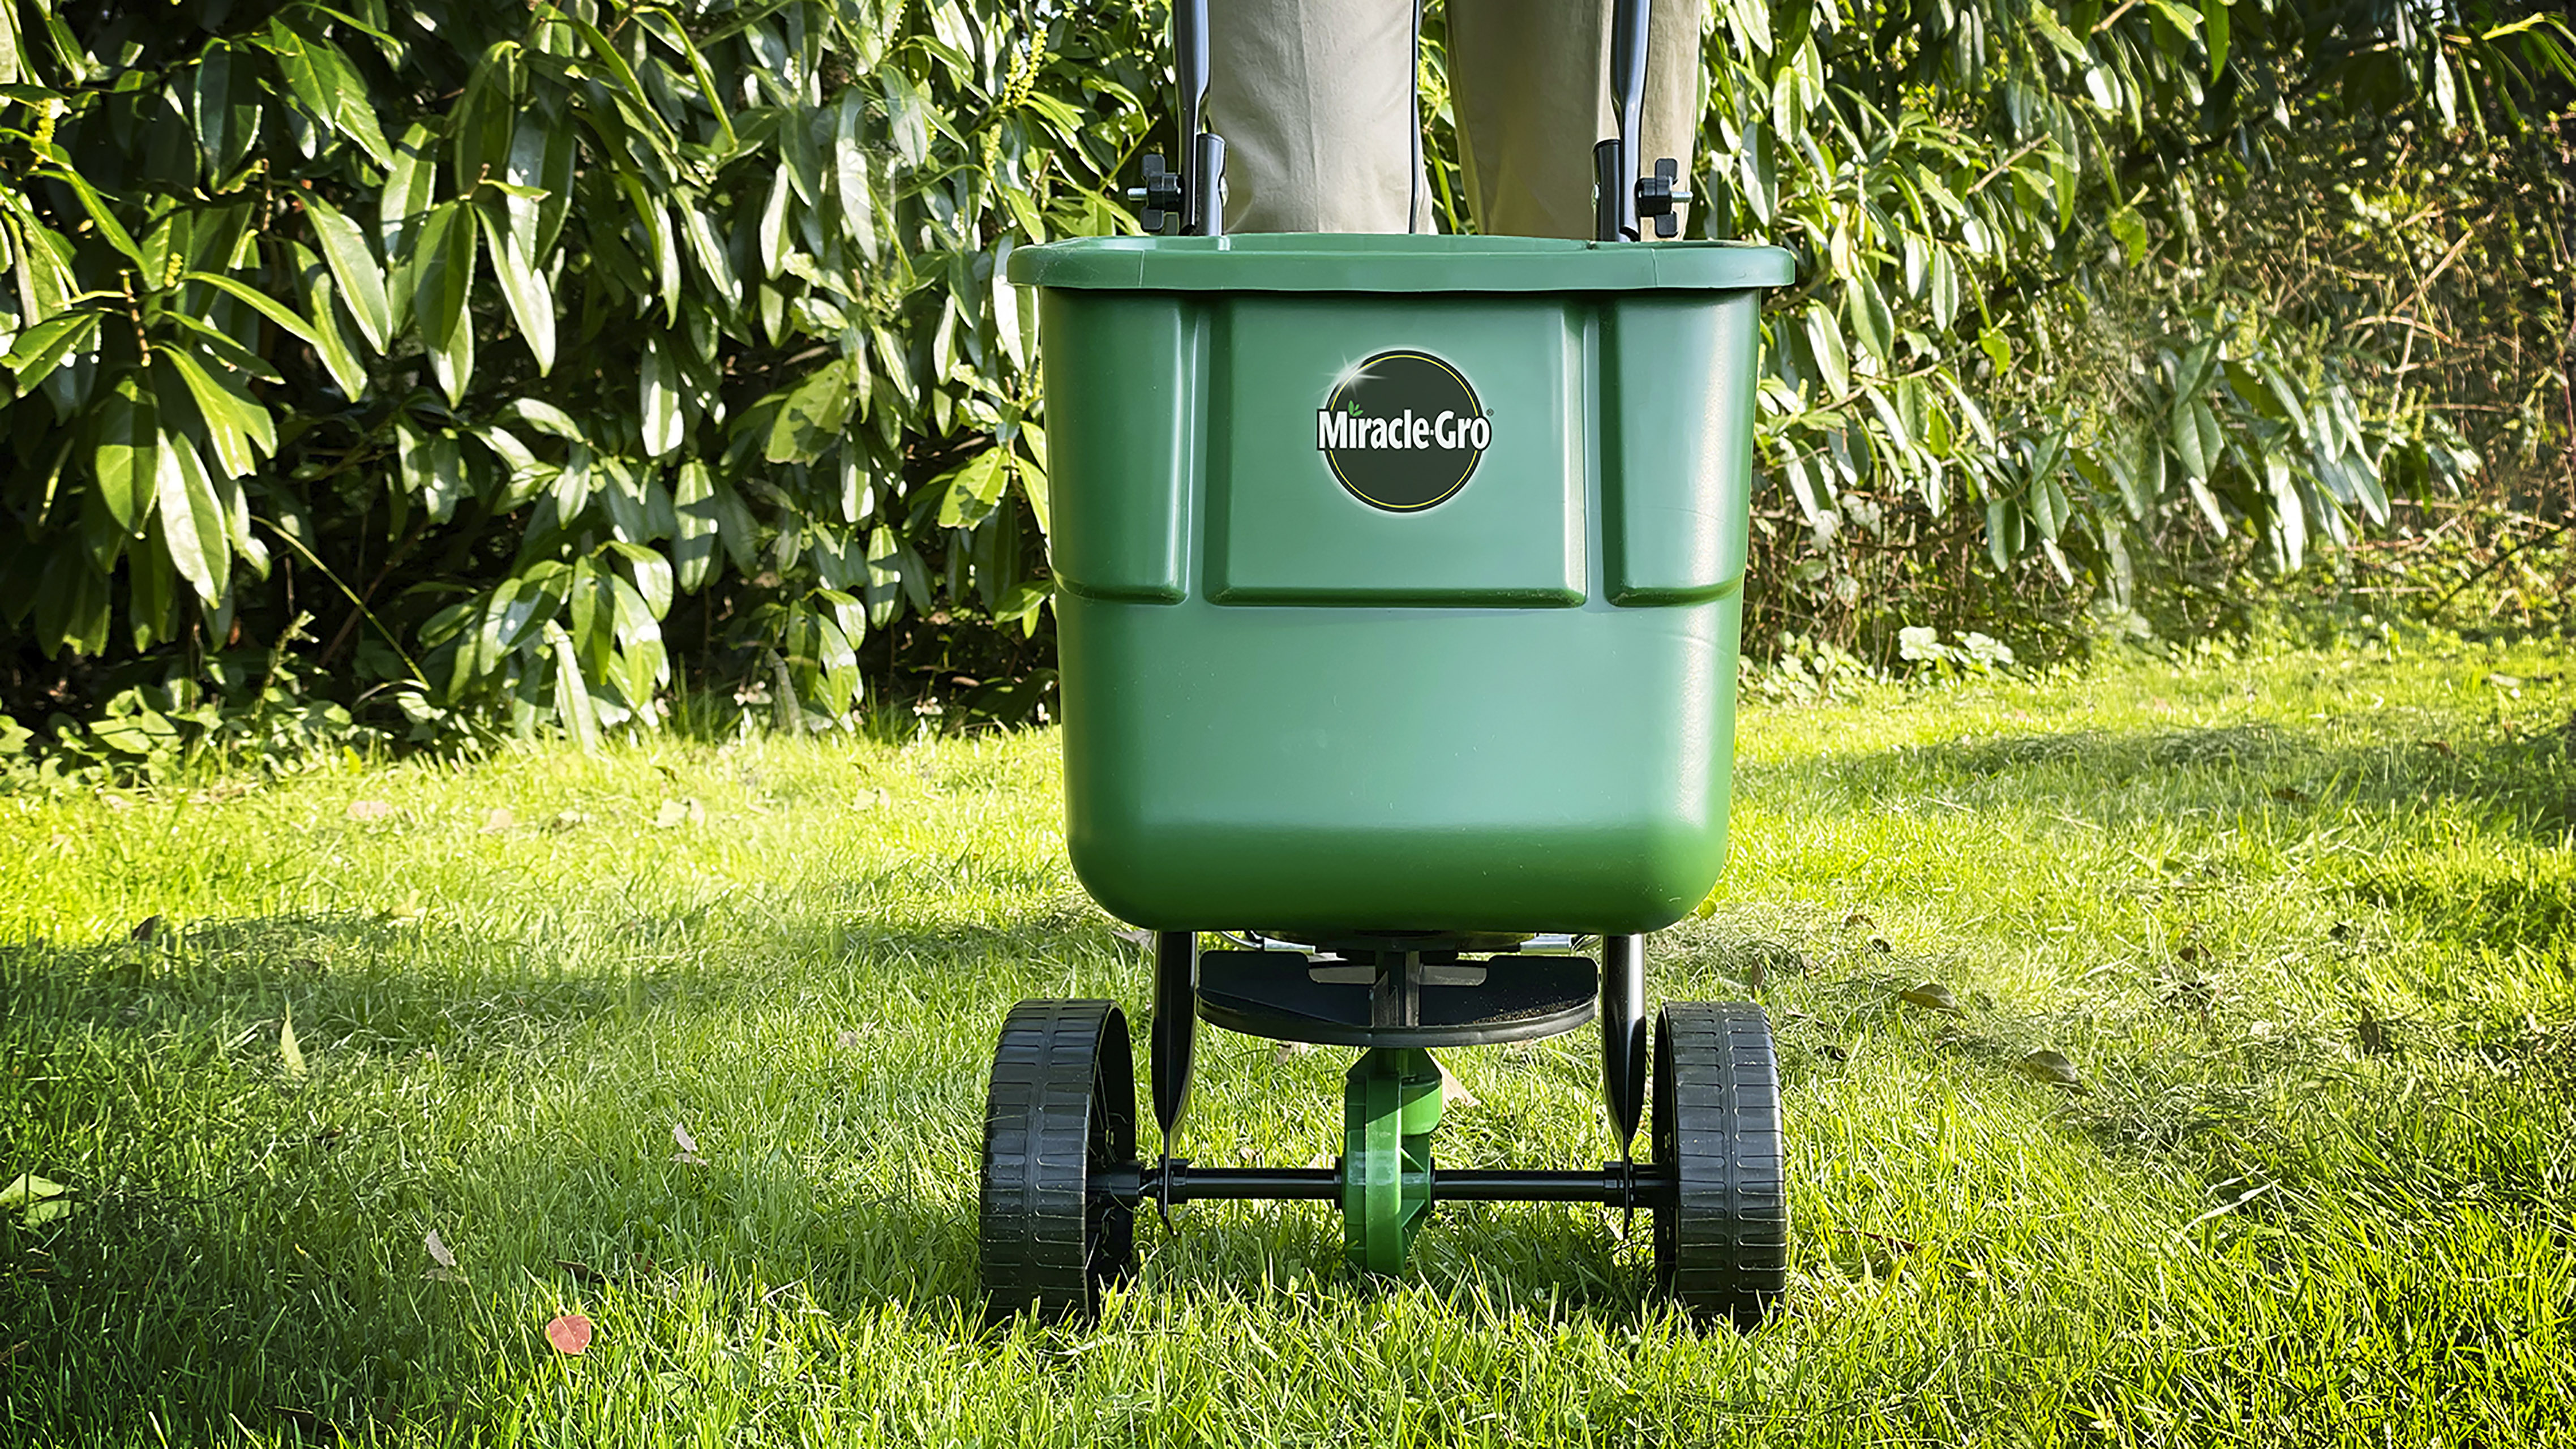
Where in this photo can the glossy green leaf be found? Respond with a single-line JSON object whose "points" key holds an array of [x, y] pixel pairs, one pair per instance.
{"points": [[125, 451], [2004, 533], [2130, 229], [972, 489], [2289, 515], [661, 402], [323, 81], [2185, 432], [773, 226], [1873, 322], [478, 129], [41, 348], [260, 302], [193, 525], [442, 271], [165, 249], [2043, 20], [335, 345], [700, 232], [239, 428], [433, 469], [650, 573], [101, 215], [1944, 287], [227, 108], [12, 48], [693, 546], [1825, 338], [572, 692], [811, 418], [361, 282], [850, 174], [353, 111], [907, 116], [152, 589], [545, 417], [573, 484], [411, 185], [662, 247], [523, 287]]}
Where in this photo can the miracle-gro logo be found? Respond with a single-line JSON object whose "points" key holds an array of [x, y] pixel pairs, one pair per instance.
{"points": [[1403, 431]]}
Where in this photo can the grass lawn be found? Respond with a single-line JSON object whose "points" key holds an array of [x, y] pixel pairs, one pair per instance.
{"points": [[2306, 922]]}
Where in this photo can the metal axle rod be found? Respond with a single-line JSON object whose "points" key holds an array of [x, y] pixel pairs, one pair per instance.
{"points": [[1619, 1185]]}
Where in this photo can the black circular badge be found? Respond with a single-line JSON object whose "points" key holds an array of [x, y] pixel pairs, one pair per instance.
{"points": [[1402, 431]]}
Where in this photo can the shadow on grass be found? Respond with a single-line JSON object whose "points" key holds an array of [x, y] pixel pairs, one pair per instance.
{"points": [[246, 1245]]}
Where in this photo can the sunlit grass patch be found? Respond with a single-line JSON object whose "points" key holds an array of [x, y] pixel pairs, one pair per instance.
{"points": [[2298, 924]]}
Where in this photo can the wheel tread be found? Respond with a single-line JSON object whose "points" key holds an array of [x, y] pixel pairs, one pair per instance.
{"points": [[1721, 1248], [1061, 1104]]}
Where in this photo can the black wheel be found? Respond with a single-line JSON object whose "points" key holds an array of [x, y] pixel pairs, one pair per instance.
{"points": [[1722, 1247], [1062, 1111]]}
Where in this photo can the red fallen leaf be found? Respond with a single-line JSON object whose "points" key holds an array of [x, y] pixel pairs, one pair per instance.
{"points": [[569, 1334]]}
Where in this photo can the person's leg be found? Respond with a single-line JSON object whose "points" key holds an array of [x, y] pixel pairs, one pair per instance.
{"points": [[1529, 81], [1315, 101]]}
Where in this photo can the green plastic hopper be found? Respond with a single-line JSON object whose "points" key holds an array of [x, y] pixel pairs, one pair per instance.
{"points": [[1400, 576]]}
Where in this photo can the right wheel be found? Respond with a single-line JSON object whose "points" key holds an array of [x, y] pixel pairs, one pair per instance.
{"points": [[1722, 1243], [1061, 1113]]}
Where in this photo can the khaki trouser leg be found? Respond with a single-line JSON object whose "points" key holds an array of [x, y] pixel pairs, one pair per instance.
{"points": [[1529, 81], [1315, 101]]}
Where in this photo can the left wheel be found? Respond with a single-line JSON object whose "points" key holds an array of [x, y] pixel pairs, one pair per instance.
{"points": [[1061, 1113]]}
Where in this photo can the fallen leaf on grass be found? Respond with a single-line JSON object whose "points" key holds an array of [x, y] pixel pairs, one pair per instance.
{"points": [[2442, 748], [365, 810], [2053, 1068], [1453, 1093], [1932, 994], [499, 821], [290, 1052], [570, 1334], [442, 1260], [38, 1200], [565, 820], [1859, 921], [676, 813], [2224, 1208], [688, 1146]]}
